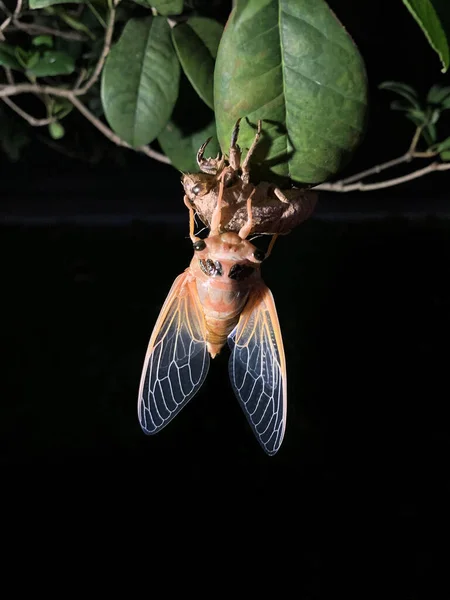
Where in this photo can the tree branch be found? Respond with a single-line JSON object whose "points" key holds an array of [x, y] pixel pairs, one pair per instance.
{"points": [[29, 118], [107, 132], [33, 29], [367, 187]]}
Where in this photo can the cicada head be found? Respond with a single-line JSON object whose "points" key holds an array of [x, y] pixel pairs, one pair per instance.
{"points": [[228, 256]]}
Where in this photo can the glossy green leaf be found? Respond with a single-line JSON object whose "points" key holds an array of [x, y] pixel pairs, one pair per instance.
{"points": [[294, 66], [167, 7], [428, 15], [34, 4], [445, 156], [140, 81], [196, 42], [51, 63], [182, 149], [8, 57]]}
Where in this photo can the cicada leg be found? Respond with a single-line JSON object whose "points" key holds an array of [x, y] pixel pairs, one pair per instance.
{"points": [[272, 244], [207, 165], [217, 214], [193, 237], [235, 151], [247, 227], [245, 165]]}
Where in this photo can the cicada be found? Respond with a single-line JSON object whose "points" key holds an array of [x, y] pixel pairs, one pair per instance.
{"points": [[219, 298]]}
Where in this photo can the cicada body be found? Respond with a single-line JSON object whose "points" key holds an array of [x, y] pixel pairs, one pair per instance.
{"points": [[220, 297]]}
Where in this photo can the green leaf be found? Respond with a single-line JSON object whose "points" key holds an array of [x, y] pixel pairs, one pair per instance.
{"points": [[196, 43], [438, 94], [441, 146], [424, 12], [43, 40], [52, 63], [417, 120], [167, 7], [294, 66], [8, 57], [182, 149], [406, 91], [445, 156], [34, 4], [140, 81], [397, 105], [430, 134], [56, 130]]}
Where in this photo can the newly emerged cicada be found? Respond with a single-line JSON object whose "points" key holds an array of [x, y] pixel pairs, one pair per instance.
{"points": [[220, 297]]}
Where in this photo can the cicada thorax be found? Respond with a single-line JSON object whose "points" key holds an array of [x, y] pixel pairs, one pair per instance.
{"points": [[226, 270]]}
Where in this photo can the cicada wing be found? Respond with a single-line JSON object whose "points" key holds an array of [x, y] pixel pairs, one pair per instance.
{"points": [[257, 369], [177, 358]]}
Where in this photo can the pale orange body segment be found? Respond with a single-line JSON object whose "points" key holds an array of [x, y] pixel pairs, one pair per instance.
{"points": [[221, 296]]}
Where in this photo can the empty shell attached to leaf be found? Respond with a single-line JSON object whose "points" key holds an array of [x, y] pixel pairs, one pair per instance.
{"points": [[273, 210]]}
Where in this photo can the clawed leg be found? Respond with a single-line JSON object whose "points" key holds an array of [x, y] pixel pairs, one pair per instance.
{"points": [[245, 164], [207, 165], [217, 214], [247, 227], [193, 237], [235, 151], [272, 244]]}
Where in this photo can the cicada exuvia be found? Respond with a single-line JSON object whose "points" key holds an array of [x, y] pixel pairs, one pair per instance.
{"points": [[220, 297]]}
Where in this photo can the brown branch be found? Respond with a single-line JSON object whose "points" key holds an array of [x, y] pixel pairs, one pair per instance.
{"points": [[33, 29], [367, 187], [29, 118], [107, 132], [106, 48]]}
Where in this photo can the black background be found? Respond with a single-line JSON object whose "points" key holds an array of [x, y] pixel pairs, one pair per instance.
{"points": [[87, 256]]}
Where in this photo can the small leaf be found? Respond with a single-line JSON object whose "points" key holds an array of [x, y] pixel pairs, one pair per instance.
{"points": [[8, 57], [33, 59], [294, 66], [43, 40], [22, 56], [56, 130], [196, 43], [53, 63], [34, 4], [445, 156], [167, 7], [398, 105], [402, 89], [418, 121], [140, 81], [430, 134], [441, 146], [425, 14], [438, 94], [182, 149]]}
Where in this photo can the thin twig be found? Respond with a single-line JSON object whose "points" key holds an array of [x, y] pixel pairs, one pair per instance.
{"points": [[107, 132], [106, 48], [33, 29], [367, 187], [29, 118]]}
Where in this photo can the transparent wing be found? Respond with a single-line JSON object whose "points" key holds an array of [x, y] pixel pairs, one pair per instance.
{"points": [[177, 359], [257, 369]]}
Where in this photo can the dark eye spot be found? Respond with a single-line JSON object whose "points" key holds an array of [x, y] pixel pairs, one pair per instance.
{"points": [[210, 268], [196, 189], [240, 272], [259, 255], [199, 245]]}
